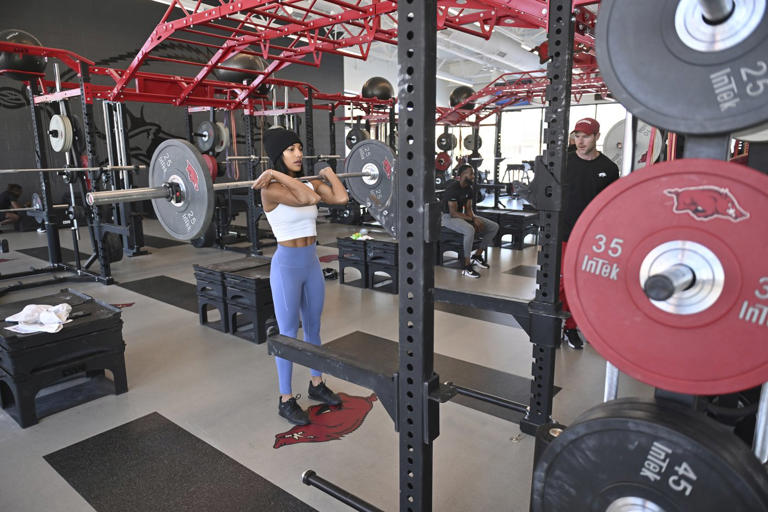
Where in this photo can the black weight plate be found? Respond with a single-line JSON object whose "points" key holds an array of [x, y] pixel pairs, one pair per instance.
{"points": [[473, 143], [377, 192], [447, 141], [205, 136], [355, 136], [439, 180], [209, 236], [631, 449], [113, 247], [664, 82], [178, 161], [475, 160]]}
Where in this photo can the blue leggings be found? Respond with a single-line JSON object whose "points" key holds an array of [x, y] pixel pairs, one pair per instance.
{"points": [[298, 286]]}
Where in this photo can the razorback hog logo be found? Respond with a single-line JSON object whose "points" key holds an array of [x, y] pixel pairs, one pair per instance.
{"points": [[707, 202], [328, 422], [192, 173]]}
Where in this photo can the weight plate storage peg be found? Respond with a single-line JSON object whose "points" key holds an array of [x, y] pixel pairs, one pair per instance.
{"points": [[447, 141], [689, 74], [633, 455], [377, 191], [222, 137], [666, 274], [356, 135], [60, 133], [473, 143], [442, 161], [613, 145], [177, 162], [205, 136]]}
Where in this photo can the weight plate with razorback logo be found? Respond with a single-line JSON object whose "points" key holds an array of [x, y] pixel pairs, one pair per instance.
{"points": [[692, 235], [177, 161]]}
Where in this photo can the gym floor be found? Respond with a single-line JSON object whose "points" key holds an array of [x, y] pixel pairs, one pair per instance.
{"points": [[223, 389]]}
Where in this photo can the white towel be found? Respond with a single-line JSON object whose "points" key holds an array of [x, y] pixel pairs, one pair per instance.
{"points": [[40, 318]]}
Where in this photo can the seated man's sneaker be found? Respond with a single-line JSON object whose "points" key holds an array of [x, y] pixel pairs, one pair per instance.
{"points": [[479, 260], [470, 271], [322, 393], [292, 411]]}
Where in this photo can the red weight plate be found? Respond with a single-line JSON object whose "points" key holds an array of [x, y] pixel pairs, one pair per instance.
{"points": [[212, 166], [442, 162], [708, 214]]}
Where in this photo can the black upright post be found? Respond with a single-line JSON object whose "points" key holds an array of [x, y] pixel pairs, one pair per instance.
{"points": [[188, 124], [89, 131], [392, 140], [332, 132], [41, 160], [309, 144], [254, 199], [545, 308], [418, 416], [496, 158], [133, 240]]}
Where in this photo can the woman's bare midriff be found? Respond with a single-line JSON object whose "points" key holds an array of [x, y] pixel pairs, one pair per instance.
{"points": [[299, 242]]}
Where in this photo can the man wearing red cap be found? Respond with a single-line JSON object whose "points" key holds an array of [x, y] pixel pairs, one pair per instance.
{"points": [[588, 173]]}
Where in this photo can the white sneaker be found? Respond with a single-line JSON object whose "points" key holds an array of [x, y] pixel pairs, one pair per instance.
{"points": [[479, 260], [470, 272]]}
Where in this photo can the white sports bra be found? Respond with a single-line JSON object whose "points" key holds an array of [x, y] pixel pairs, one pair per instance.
{"points": [[291, 222]]}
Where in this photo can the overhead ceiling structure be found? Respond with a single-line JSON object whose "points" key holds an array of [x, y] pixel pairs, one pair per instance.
{"points": [[477, 39]]}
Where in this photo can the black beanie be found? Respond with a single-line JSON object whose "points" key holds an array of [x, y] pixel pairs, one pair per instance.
{"points": [[277, 140]]}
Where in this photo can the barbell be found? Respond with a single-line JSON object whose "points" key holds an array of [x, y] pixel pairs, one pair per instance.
{"points": [[76, 169], [180, 186], [37, 206], [265, 158]]}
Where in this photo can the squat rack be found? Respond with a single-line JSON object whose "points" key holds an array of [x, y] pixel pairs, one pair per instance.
{"points": [[413, 393]]}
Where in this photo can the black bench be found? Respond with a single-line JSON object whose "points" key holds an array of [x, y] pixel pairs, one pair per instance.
{"points": [[91, 343]]}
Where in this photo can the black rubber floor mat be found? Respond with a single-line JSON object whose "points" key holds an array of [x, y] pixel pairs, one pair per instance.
{"points": [[523, 270], [166, 289], [67, 255], [478, 314], [161, 243], [153, 464], [506, 385]]}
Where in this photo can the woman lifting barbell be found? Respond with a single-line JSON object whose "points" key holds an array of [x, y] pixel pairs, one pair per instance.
{"points": [[296, 279]]}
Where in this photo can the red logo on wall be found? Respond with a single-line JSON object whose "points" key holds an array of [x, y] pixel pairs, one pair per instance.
{"points": [[328, 422], [707, 202]]}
